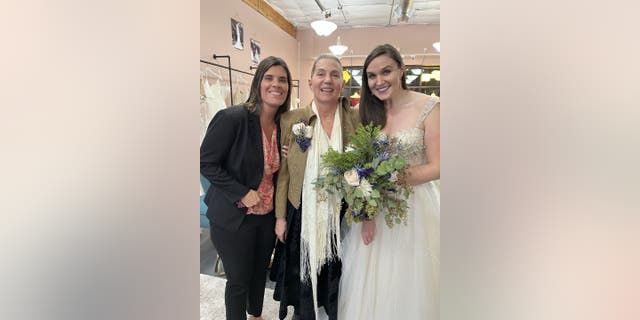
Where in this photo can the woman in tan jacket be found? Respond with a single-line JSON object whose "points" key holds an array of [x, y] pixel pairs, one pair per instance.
{"points": [[306, 266]]}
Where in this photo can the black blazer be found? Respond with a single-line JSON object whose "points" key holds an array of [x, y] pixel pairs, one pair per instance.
{"points": [[231, 157]]}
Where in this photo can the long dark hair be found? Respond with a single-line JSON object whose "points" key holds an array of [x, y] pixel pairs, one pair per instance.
{"points": [[254, 102], [371, 108]]}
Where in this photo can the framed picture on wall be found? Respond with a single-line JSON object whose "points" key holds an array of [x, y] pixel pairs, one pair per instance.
{"points": [[237, 34], [255, 51]]}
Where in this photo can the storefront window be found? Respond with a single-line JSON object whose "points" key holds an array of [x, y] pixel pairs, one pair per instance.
{"points": [[425, 79]]}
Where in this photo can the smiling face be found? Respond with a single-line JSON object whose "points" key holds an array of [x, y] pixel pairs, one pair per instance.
{"points": [[384, 77], [326, 82], [274, 87]]}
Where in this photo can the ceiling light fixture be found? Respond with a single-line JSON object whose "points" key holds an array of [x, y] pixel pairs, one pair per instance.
{"points": [[323, 27], [338, 49]]}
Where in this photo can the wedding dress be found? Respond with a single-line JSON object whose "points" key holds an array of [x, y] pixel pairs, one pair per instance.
{"points": [[396, 276], [211, 102]]}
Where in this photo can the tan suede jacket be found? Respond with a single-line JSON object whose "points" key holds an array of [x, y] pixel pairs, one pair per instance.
{"points": [[291, 173]]}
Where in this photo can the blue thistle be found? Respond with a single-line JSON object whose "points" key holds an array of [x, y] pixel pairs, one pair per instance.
{"points": [[303, 143], [384, 156], [363, 173]]}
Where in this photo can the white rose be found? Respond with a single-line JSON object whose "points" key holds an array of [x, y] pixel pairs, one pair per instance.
{"points": [[348, 149], [352, 178], [298, 128], [394, 176], [365, 187], [308, 132]]}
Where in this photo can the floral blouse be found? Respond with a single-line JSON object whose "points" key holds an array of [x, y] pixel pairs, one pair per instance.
{"points": [[271, 166]]}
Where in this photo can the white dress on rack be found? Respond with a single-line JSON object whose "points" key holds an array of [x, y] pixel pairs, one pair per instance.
{"points": [[210, 104], [397, 275], [240, 96]]}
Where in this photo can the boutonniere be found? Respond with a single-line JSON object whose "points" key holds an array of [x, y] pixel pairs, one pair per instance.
{"points": [[303, 133]]}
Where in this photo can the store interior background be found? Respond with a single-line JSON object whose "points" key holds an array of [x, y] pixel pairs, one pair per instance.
{"points": [[215, 38], [298, 48]]}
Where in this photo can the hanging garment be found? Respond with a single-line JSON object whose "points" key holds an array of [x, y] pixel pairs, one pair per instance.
{"points": [[240, 96], [212, 102]]}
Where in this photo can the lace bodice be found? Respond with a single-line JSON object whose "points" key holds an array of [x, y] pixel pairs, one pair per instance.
{"points": [[412, 145], [412, 139]]}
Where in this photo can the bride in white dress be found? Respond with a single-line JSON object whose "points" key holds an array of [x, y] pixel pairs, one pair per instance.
{"points": [[393, 273]]}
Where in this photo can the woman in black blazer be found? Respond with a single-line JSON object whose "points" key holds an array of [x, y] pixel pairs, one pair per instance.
{"points": [[240, 156]]}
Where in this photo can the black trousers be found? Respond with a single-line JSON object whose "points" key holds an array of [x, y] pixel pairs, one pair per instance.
{"points": [[245, 255], [285, 271]]}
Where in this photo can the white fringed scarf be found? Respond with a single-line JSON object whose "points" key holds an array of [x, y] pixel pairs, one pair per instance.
{"points": [[320, 219]]}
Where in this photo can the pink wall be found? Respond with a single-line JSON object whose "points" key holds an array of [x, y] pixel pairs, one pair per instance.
{"points": [[410, 39], [215, 37]]}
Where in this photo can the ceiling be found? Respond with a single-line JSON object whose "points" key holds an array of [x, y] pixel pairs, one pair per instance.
{"points": [[356, 13]]}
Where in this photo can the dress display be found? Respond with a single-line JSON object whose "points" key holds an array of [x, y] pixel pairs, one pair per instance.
{"points": [[212, 101], [240, 96], [397, 275]]}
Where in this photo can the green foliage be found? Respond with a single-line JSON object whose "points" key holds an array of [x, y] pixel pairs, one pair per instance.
{"points": [[375, 159]]}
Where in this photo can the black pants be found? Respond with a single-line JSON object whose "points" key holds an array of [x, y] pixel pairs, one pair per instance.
{"points": [[285, 271], [245, 255]]}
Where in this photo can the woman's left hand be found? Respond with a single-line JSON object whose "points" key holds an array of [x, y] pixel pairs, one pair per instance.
{"points": [[285, 151], [281, 228]]}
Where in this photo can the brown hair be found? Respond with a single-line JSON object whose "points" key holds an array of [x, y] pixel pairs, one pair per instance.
{"points": [[371, 108], [254, 102]]}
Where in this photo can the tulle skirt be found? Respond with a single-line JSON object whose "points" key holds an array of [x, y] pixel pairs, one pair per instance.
{"points": [[397, 275]]}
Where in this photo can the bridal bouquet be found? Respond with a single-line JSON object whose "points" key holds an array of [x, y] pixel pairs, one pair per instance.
{"points": [[368, 175]]}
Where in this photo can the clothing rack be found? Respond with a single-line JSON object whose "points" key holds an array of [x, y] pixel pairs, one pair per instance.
{"points": [[295, 83], [229, 68]]}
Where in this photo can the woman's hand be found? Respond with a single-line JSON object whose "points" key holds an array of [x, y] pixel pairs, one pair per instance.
{"points": [[251, 199], [285, 151], [254, 208], [281, 228], [368, 231]]}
